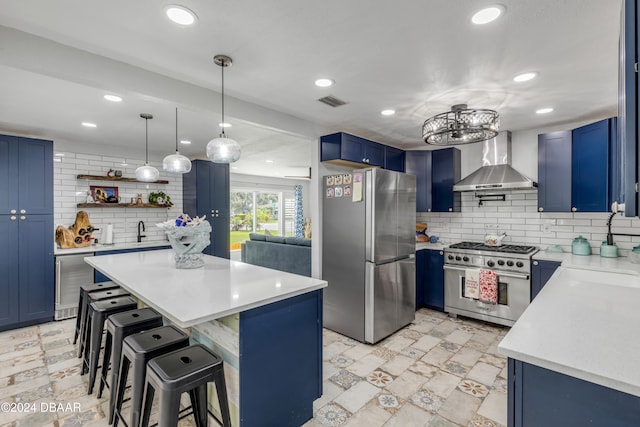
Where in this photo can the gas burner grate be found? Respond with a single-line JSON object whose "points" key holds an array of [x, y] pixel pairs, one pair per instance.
{"points": [[512, 249]]}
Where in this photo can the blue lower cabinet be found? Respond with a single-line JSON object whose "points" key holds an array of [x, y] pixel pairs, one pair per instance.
{"points": [[421, 266], [281, 361], [433, 296], [9, 275], [541, 272], [541, 397], [99, 277]]}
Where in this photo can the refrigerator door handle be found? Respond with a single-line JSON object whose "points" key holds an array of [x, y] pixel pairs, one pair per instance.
{"points": [[370, 216]]}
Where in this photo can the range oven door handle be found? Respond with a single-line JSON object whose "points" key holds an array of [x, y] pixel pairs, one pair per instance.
{"points": [[501, 273]]}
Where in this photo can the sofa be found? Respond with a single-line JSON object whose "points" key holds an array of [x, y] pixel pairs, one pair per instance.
{"points": [[290, 254]]}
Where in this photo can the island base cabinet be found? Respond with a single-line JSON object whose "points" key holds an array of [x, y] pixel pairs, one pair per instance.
{"points": [[541, 397], [273, 361]]}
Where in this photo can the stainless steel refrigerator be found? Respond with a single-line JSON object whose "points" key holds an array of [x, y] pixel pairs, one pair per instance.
{"points": [[368, 252]]}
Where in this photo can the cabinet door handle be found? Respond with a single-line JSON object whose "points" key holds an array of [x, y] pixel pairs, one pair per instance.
{"points": [[540, 209], [22, 218], [574, 209], [13, 218], [450, 209], [23, 211], [441, 252], [429, 210], [13, 211], [535, 262], [364, 160]]}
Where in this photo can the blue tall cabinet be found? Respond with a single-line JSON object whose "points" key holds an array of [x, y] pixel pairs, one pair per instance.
{"points": [[26, 232], [205, 191]]}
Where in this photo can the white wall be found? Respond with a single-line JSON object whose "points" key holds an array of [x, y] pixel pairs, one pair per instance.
{"points": [[69, 191]]}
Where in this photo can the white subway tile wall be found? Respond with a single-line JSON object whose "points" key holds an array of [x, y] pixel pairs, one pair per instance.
{"points": [[518, 216], [69, 191]]}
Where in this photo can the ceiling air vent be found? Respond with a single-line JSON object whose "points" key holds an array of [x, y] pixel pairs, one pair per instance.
{"points": [[332, 101]]}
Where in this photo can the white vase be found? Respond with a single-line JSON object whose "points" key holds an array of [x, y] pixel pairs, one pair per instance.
{"points": [[188, 252]]}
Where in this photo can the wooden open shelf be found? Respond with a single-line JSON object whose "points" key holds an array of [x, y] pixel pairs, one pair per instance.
{"points": [[121, 205], [117, 178]]}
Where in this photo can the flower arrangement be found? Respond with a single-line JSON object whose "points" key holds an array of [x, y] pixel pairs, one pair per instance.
{"points": [[188, 237]]}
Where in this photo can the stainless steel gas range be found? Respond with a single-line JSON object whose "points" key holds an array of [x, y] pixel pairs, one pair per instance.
{"points": [[512, 265]]}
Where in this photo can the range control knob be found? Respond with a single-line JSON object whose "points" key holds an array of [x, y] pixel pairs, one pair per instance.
{"points": [[450, 257], [491, 263], [458, 258], [510, 263], [465, 259], [519, 264], [500, 262]]}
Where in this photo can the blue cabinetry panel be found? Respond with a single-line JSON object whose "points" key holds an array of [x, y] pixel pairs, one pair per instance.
{"points": [[9, 277], [281, 338], [541, 397], [554, 172], [421, 268], [8, 174], [418, 163], [205, 191], [434, 284], [351, 148], [590, 174], [541, 272], [35, 176], [394, 159], [445, 172]]}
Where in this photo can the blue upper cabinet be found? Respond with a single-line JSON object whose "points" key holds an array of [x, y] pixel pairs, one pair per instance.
{"points": [[418, 163], [343, 148], [445, 172], [591, 175], [205, 191], [554, 172], [577, 170], [394, 159]]}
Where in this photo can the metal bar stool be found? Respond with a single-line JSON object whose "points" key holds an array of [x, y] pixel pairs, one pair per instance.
{"points": [[120, 326], [185, 370], [92, 297], [137, 350], [97, 315], [83, 305]]}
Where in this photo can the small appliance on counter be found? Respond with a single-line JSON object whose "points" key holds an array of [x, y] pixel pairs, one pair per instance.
{"points": [[580, 246]]}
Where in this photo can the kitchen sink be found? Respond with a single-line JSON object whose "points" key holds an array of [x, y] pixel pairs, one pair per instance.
{"points": [[630, 278]]}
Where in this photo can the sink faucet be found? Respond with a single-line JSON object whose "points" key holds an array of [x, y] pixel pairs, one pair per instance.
{"points": [[140, 236]]}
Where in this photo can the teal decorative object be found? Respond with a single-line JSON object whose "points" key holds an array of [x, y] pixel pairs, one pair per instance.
{"points": [[188, 241], [580, 246]]}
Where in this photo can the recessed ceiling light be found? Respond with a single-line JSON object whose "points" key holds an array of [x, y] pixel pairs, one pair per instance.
{"points": [[544, 110], [487, 15], [113, 98], [185, 142], [524, 77], [89, 125], [324, 82], [388, 112], [269, 161], [225, 125], [180, 15]]}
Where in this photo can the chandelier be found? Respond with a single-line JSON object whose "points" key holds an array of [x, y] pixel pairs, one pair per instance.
{"points": [[460, 126]]}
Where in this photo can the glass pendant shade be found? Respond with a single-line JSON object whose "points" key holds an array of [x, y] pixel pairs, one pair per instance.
{"points": [[176, 163], [223, 150], [147, 173]]}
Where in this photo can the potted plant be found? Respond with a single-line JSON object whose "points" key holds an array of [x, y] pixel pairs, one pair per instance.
{"points": [[160, 198]]}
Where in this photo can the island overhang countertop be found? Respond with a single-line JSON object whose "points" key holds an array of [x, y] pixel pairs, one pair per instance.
{"points": [[189, 297]]}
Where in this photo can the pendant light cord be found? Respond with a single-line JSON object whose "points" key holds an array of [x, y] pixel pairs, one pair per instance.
{"points": [[223, 123], [146, 141], [176, 130]]}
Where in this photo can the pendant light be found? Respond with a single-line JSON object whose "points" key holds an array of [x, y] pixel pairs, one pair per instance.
{"points": [[223, 149], [147, 173], [176, 163]]}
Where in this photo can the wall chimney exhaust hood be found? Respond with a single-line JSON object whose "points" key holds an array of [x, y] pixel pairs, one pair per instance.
{"points": [[496, 172]]}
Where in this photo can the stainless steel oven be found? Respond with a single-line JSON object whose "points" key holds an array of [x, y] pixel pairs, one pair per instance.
{"points": [[512, 265]]}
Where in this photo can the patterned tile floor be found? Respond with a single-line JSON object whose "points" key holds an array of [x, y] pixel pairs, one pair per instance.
{"points": [[437, 371]]}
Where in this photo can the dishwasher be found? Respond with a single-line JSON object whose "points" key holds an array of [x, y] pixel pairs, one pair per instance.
{"points": [[71, 273]]}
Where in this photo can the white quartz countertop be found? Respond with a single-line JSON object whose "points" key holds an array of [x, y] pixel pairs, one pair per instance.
{"points": [[191, 296], [433, 246], [584, 323], [115, 247]]}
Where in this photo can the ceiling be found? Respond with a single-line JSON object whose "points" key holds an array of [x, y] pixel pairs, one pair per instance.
{"points": [[418, 57]]}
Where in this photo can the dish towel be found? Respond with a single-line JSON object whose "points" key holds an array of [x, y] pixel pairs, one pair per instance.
{"points": [[471, 283], [488, 287]]}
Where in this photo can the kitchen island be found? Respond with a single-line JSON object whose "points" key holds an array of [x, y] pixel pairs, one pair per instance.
{"points": [[266, 325], [573, 353]]}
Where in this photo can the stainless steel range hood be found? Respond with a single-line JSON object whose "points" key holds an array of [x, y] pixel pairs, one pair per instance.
{"points": [[496, 172]]}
